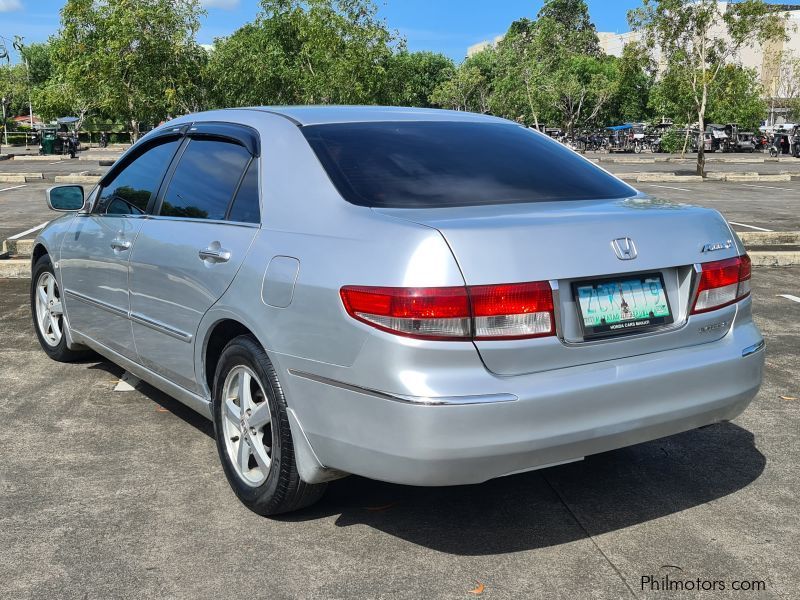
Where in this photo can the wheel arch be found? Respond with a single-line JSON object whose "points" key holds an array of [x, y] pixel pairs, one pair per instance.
{"points": [[217, 337], [39, 250], [222, 329]]}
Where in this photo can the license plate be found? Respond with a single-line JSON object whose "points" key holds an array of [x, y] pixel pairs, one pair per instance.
{"points": [[620, 305]]}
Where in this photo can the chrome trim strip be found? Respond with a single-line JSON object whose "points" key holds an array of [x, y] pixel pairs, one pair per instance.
{"points": [[697, 271], [161, 327], [98, 304], [557, 308], [209, 221], [754, 348], [136, 318], [417, 400]]}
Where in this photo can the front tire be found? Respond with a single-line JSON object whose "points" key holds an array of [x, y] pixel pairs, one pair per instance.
{"points": [[252, 431], [48, 313]]}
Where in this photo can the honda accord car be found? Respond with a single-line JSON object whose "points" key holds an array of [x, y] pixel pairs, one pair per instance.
{"points": [[417, 296]]}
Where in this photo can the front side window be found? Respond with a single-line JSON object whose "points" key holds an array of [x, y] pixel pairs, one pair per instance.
{"points": [[129, 192], [436, 164], [207, 176]]}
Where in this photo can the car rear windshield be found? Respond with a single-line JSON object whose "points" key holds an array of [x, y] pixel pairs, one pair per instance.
{"points": [[439, 164]]}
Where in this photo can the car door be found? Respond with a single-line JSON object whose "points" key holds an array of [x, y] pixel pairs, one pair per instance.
{"points": [[96, 251], [188, 252]]}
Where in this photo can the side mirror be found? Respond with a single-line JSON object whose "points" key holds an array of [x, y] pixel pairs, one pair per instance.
{"points": [[65, 198]]}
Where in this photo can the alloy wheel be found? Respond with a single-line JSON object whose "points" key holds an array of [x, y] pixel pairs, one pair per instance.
{"points": [[49, 310], [247, 425]]}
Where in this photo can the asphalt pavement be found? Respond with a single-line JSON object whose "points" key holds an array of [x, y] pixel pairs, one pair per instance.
{"points": [[112, 494]]}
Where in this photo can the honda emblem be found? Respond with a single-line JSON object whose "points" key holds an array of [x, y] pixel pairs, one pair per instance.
{"points": [[624, 248]]}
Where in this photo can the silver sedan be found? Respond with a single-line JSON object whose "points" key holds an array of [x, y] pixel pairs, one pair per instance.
{"points": [[417, 296]]}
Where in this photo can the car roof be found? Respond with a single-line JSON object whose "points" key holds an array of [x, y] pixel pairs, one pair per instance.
{"points": [[319, 115]]}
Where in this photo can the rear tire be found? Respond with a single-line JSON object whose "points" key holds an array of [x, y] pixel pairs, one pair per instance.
{"points": [[251, 426], [48, 313]]}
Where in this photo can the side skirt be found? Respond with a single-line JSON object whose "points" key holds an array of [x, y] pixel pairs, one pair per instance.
{"points": [[190, 399]]}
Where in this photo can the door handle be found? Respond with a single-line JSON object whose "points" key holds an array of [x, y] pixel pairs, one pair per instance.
{"points": [[120, 245], [214, 254]]}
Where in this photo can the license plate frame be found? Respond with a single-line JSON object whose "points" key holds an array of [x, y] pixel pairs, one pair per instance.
{"points": [[622, 327]]}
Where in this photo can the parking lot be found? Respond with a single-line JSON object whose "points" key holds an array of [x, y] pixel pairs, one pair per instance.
{"points": [[120, 494], [113, 494]]}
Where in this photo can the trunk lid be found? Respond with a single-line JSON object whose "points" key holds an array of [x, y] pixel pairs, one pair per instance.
{"points": [[565, 242]]}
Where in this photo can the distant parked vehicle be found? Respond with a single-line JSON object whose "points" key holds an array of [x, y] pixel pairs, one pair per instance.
{"points": [[715, 139], [786, 142]]}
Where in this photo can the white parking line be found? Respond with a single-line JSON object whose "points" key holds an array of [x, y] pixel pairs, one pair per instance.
{"points": [[789, 297], [13, 188], [749, 226], [669, 187], [767, 187], [58, 162], [27, 231]]}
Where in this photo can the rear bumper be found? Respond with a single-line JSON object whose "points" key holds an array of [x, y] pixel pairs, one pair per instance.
{"points": [[557, 416]]}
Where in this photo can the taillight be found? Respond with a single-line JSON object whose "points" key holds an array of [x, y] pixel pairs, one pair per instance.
{"points": [[485, 312], [517, 310], [722, 282], [430, 313]]}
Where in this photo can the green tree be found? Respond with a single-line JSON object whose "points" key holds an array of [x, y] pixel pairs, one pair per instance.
{"points": [[519, 91], [14, 89], [136, 60], [304, 52], [701, 37], [634, 83], [552, 69], [737, 97], [470, 86], [412, 77], [570, 27], [581, 87]]}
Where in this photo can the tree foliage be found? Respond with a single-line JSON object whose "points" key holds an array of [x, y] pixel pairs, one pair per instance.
{"points": [[412, 77], [304, 52], [700, 37], [137, 60]]}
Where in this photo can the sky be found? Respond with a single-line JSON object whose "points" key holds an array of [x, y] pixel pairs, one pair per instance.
{"points": [[447, 26]]}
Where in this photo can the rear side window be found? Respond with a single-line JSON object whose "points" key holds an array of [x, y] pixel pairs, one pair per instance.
{"points": [[245, 207], [205, 180], [129, 192], [440, 164]]}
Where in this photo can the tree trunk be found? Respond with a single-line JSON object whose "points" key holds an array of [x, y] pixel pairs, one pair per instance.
{"points": [[701, 153], [133, 130], [701, 145]]}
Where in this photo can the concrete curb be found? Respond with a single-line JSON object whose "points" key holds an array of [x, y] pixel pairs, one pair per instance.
{"points": [[36, 157], [99, 157], [733, 177], [88, 179], [20, 177], [770, 238], [12, 178], [660, 177], [20, 248], [715, 176], [762, 258], [17, 268]]}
